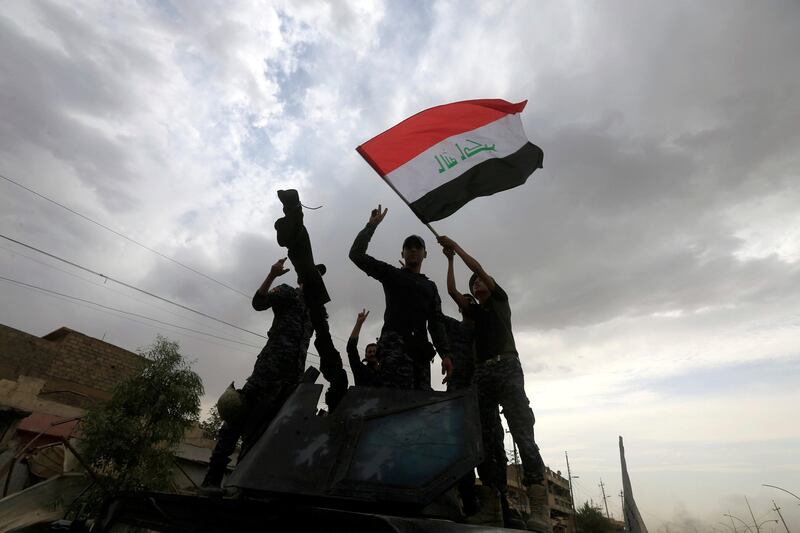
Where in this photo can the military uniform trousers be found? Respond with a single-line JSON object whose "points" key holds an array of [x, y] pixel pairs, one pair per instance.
{"points": [[400, 369], [500, 382], [264, 392]]}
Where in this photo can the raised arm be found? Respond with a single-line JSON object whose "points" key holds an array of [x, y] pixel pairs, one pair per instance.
{"points": [[263, 299], [452, 290], [470, 261], [352, 348], [358, 251], [360, 318]]}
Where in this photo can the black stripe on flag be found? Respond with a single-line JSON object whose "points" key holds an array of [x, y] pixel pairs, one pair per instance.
{"points": [[491, 176]]}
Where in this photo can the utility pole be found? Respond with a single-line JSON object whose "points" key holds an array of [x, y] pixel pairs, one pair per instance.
{"points": [[622, 503], [778, 510], [570, 477], [605, 498]]}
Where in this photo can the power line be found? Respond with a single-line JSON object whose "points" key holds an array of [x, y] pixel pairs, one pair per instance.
{"points": [[605, 498], [76, 298], [104, 286], [134, 241], [104, 276], [129, 239], [128, 285], [90, 307]]}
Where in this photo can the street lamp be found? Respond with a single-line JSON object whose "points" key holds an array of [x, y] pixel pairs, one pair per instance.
{"points": [[780, 488]]}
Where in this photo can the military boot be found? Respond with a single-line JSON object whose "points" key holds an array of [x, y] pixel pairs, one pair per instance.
{"points": [[490, 511], [290, 199], [288, 227], [292, 234], [539, 519], [511, 518]]}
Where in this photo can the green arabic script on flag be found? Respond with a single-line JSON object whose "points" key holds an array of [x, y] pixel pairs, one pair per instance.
{"points": [[446, 161]]}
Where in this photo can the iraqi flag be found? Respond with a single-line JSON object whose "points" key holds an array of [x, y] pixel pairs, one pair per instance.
{"points": [[443, 157]]}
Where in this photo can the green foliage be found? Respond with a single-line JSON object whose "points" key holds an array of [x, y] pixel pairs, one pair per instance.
{"points": [[211, 425], [129, 441], [590, 519]]}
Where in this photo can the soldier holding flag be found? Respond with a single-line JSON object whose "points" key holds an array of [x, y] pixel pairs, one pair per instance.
{"points": [[499, 379], [437, 161]]}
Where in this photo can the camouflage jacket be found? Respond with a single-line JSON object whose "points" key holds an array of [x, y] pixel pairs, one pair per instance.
{"points": [[291, 330]]}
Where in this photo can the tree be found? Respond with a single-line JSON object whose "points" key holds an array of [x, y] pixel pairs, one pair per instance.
{"points": [[129, 442], [590, 519], [211, 425]]}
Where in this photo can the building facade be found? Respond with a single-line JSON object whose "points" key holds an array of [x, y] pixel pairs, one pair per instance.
{"points": [[46, 385], [559, 499]]}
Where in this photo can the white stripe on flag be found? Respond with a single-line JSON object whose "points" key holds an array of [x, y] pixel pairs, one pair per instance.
{"points": [[430, 169]]}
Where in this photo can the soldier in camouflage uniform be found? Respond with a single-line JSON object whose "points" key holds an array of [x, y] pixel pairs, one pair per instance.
{"points": [[278, 369], [500, 382], [412, 302], [461, 335]]}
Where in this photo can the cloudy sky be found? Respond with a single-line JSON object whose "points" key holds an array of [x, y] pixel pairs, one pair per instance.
{"points": [[653, 264]]}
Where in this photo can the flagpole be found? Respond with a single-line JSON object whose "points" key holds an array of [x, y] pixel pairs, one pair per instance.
{"points": [[389, 183]]}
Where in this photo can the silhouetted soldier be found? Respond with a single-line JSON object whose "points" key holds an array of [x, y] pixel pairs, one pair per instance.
{"points": [[500, 382], [412, 303], [367, 373], [460, 333], [292, 233], [278, 369]]}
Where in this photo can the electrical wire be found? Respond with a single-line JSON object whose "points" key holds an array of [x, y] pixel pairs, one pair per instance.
{"points": [[107, 288], [134, 241], [130, 313], [78, 299], [137, 288], [128, 285], [91, 308], [129, 239]]}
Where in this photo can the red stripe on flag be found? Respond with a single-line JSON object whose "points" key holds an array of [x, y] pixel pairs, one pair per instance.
{"points": [[403, 142]]}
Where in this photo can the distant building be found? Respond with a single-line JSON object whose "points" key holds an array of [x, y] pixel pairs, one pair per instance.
{"points": [[74, 369], [562, 512], [46, 384], [562, 508]]}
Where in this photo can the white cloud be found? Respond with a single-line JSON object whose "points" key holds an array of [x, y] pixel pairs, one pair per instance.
{"points": [[658, 243]]}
